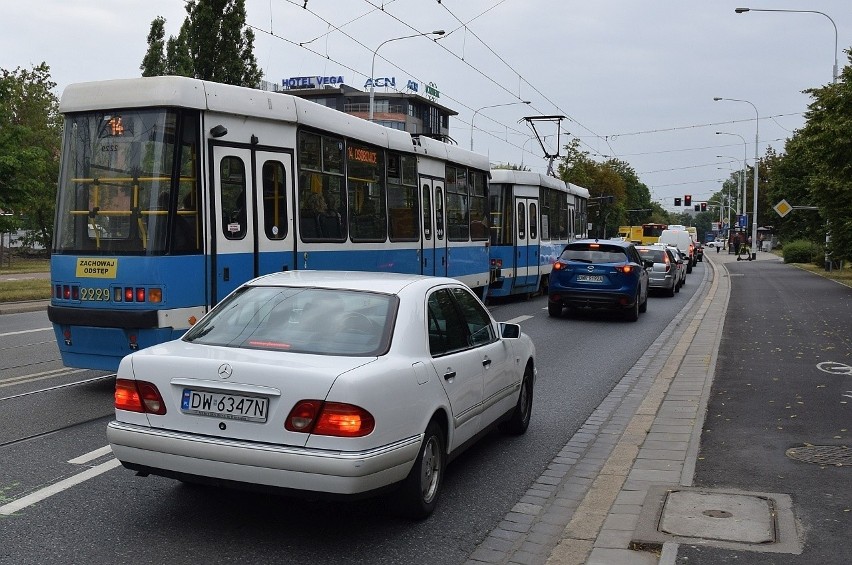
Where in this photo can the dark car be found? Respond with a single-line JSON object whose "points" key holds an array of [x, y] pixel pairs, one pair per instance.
{"points": [[606, 274]]}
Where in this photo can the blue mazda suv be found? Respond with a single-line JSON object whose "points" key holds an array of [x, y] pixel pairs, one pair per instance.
{"points": [[593, 273]]}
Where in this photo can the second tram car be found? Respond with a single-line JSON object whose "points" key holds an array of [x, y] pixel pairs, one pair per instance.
{"points": [[173, 191], [532, 217]]}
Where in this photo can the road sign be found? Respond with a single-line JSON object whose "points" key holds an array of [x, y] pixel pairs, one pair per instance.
{"points": [[783, 208], [742, 220]]}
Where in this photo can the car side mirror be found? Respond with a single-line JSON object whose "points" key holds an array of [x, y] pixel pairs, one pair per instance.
{"points": [[648, 264], [510, 331]]}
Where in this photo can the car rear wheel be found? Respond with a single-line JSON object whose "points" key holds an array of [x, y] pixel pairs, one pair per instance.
{"points": [[632, 314], [554, 309], [421, 488], [673, 289], [520, 419], [644, 306]]}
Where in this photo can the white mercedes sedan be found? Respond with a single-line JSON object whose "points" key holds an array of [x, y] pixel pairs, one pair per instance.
{"points": [[320, 382]]}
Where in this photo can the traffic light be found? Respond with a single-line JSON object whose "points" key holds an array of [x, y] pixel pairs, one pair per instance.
{"points": [[697, 207], [703, 206], [677, 201], [687, 200]]}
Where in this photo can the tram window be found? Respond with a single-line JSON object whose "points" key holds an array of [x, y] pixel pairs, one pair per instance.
{"points": [[458, 211], [545, 195], [427, 212], [439, 214], [366, 191], [402, 198], [274, 200], [322, 200], [186, 232], [233, 190], [522, 221], [500, 205], [533, 220], [478, 206]]}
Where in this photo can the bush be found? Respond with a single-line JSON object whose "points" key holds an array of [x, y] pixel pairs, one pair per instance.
{"points": [[803, 251]]}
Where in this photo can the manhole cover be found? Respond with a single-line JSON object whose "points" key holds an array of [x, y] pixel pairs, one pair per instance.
{"points": [[718, 516], [834, 455]]}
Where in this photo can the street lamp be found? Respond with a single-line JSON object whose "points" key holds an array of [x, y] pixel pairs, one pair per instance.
{"points": [[373, 66], [486, 107], [834, 70], [756, 162], [741, 189]]}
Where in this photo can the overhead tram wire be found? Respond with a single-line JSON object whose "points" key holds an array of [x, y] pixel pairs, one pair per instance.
{"points": [[356, 71], [521, 78], [496, 83]]}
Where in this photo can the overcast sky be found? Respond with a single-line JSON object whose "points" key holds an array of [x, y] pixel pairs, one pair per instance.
{"points": [[635, 78]]}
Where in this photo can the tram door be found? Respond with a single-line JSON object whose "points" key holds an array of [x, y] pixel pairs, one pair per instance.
{"points": [[433, 260], [249, 216], [526, 242]]}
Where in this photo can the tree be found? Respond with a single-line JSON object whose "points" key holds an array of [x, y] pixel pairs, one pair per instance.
{"points": [[154, 63], [30, 135], [214, 43], [826, 140]]}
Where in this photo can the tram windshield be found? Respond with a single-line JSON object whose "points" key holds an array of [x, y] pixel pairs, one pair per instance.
{"points": [[128, 184]]}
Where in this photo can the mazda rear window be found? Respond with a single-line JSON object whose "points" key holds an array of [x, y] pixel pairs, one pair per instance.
{"points": [[594, 253]]}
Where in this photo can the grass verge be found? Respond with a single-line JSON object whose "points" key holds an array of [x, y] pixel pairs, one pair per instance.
{"points": [[29, 289], [843, 276]]}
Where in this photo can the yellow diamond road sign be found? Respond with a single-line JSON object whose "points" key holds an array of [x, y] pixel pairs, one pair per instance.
{"points": [[783, 208]]}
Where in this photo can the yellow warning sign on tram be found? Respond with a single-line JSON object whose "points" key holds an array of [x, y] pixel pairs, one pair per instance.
{"points": [[783, 208], [97, 267]]}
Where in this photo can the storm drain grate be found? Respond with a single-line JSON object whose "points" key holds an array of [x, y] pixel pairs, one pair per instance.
{"points": [[834, 455]]}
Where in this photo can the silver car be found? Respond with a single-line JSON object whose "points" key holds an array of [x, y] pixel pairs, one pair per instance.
{"points": [[665, 275]]}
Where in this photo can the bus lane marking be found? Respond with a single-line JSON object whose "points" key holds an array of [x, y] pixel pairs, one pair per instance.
{"points": [[26, 331], [65, 484], [92, 455]]}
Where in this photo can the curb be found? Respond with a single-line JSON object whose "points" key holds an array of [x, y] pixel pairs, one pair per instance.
{"points": [[22, 307]]}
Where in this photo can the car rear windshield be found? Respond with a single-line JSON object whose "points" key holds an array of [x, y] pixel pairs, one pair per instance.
{"points": [[655, 255], [593, 253], [301, 320]]}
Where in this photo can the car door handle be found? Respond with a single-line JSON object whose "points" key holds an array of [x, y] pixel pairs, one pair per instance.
{"points": [[486, 363], [449, 375]]}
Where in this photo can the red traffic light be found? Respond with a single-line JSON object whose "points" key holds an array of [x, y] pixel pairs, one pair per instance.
{"points": [[687, 200]]}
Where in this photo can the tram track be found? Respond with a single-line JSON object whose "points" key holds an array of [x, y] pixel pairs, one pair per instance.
{"points": [[46, 433], [33, 378]]}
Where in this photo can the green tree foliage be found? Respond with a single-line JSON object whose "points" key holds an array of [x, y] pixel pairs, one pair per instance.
{"points": [[214, 43], [154, 63], [631, 198], [816, 170], [30, 134]]}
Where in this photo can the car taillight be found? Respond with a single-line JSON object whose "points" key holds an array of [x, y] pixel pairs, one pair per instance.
{"points": [[558, 266], [625, 269], [138, 396], [330, 419]]}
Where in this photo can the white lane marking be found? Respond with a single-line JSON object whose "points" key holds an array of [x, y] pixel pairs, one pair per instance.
{"points": [[518, 320], [64, 371], [65, 484], [26, 331], [57, 387], [86, 457]]}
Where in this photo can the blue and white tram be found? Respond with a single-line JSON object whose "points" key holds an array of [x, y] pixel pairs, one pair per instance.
{"points": [[173, 191], [533, 216]]}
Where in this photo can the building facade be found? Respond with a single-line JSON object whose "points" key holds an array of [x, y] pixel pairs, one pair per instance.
{"points": [[404, 109]]}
